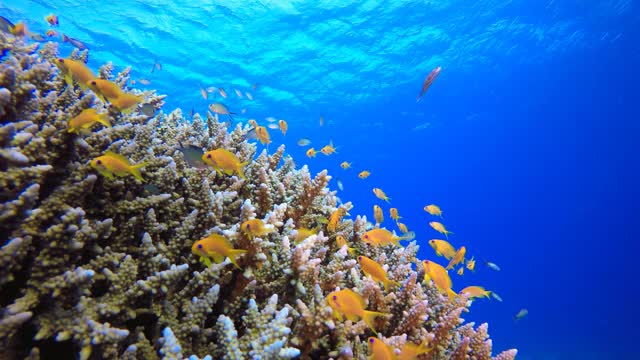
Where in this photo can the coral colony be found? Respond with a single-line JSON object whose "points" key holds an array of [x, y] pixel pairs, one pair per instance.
{"points": [[96, 263]]}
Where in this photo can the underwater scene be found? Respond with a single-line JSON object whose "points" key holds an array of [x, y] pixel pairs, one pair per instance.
{"points": [[319, 179]]}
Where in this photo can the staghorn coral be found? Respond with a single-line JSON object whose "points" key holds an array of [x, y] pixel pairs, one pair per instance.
{"points": [[101, 268]]}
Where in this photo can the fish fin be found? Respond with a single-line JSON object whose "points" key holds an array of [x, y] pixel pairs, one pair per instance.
{"points": [[206, 260], [233, 254], [369, 317], [135, 170], [351, 251], [107, 174], [352, 318], [240, 172], [217, 258]]}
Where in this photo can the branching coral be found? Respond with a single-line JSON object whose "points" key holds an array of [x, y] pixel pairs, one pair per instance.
{"points": [[103, 267]]}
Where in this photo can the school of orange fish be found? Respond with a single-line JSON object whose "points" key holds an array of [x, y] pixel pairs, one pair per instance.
{"points": [[345, 303]]}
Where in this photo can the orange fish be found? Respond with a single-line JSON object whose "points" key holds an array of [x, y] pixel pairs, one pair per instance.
{"points": [[335, 219], [328, 149], [381, 237], [341, 241], [471, 264], [51, 33], [283, 126], [217, 247], [457, 258], [475, 292], [440, 228], [381, 195], [256, 227], [105, 89], [19, 29], [461, 271], [263, 135], [126, 102], [440, 277], [433, 210], [428, 81], [75, 70], [345, 165], [52, 19], [311, 153], [393, 213], [303, 233], [111, 164], [410, 351], [253, 122], [443, 248], [222, 160], [375, 270], [402, 227], [349, 304], [364, 174], [377, 214], [380, 350], [85, 119]]}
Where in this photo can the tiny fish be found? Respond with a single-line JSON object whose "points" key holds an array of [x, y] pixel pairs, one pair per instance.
{"points": [[304, 142], [156, 66], [496, 296], [193, 156], [402, 227], [85, 119], [75, 42], [364, 174], [475, 291], [224, 161], [144, 81], [351, 305], [381, 195], [51, 33], [393, 213], [111, 164], [256, 227], [522, 313], [345, 165], [380, 350], [271, 119], [492, 266], [340, 185], [373, 269], [282, 124], [222, 92], [311, 153], [440, 228], [321, 120], [377, 214], [238, 93], [272, 126], [428, 81], [263, 135], [328, 149], [249, 96], [52, 19], [381, 237], [148, 110], [217, 247], [204, 93], [250, 135], [433, 210]]}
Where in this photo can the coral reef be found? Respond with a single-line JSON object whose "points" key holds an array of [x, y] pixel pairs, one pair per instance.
{"points": [[92, 267]]}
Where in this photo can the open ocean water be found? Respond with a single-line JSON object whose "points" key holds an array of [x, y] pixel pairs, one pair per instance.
{"points": [[527, 140]]}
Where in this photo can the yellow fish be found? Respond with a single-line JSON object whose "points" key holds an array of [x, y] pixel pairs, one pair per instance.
{"points": [[375, 270], [111, 164], [328, 149], [471, 264], [393, 213], [440, 228], [364, 174], [410, 351], [443, 248], [440, 277], [85, 119], [255, 227], [461, 271], [402, 227], [457, 258], [283, 126], [380, 194], [349, 304], [253, 122], [377, 214], [263, 135], [105, 89], [303, 233], [126, 101], [311, 153], [475, 292], [345, 165], [335, 218], [380, 237], [433, 210], [380, 350], [341, 241], [75, 70], [217, 247], [224, 161]]}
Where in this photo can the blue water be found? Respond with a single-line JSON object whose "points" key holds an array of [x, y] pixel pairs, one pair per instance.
{"points": [[527, 140]]}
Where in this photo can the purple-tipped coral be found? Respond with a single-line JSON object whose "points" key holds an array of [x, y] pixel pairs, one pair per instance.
{"points": [[104, 267]]}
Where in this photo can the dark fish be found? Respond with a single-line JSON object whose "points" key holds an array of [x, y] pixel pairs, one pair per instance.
{"points": [[156, 66], [151, 189], [36, 37], [191, 113], [428, 81], [193, 156], [5, 25], [75, 42], [148, 110]]}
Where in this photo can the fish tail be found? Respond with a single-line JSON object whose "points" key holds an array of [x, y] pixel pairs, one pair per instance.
{"points": [[233, 254], [104, 119], [240, 171], [135, 170], [351, 251], [369, 317]]}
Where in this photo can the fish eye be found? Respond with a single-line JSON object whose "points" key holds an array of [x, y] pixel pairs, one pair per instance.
{"points": [[208, 156], [248, 226], [93, 82], [199, 246], [372, 340], [98, 162], [366, 236], [61, 60], [334, 297], [359, 257]]}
